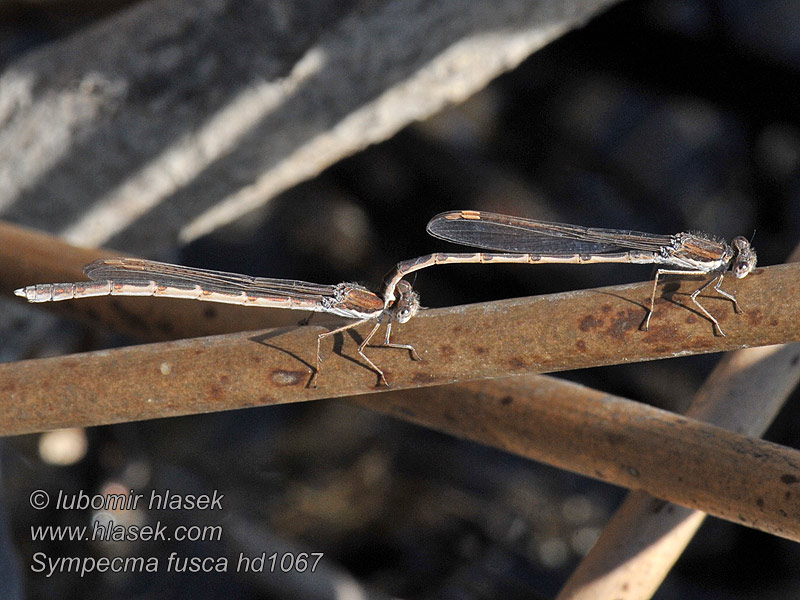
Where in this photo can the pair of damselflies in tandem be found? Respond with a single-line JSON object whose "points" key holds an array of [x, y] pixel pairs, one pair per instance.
{"points": [[513, 240]]}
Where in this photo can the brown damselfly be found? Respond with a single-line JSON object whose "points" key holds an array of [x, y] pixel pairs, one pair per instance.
{"points": [[137, 277], [528, 241]]}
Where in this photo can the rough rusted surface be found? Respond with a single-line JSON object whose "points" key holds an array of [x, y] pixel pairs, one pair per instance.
{"points": [[528, 335], [731, 476]]}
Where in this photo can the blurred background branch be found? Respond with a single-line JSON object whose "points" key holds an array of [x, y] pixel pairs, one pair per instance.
{"points": [[194, 114]]}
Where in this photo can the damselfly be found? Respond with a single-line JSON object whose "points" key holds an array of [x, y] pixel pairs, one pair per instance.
{"points": [[137, 277], [528, 241]]}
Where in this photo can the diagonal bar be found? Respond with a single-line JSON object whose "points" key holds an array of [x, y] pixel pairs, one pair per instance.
{"points": [[672, 457], [529, 335]]}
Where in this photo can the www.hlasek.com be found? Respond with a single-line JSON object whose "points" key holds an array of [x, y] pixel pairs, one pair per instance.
{"points": [[105, 529]]}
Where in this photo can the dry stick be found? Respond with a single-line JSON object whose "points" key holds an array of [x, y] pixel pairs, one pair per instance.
{"points": [[646, 536]]}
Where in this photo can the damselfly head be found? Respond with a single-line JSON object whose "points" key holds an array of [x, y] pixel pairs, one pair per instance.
{"points": [[745, 259], [407, 303]]}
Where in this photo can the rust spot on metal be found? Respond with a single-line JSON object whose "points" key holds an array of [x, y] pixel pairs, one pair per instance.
{"points": [[624, 321], [658, 335], [284, 378], [590, 322], [606, 308], [581, 345], [506, 400], [703, 343], [789, 479], [754, 316], [216, 392], [446, 350], [516, 363], [70, 363], [423, 378]]}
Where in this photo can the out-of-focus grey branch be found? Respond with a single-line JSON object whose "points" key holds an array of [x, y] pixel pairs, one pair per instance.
{"points": [[168, 119]]}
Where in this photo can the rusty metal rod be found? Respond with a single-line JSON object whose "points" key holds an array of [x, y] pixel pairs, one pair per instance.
{"points": [[548, 333], [528, 335], [646, 535], [726, 474]]}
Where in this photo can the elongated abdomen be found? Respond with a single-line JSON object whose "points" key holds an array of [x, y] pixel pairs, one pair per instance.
{"points": [[53, 292]]}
